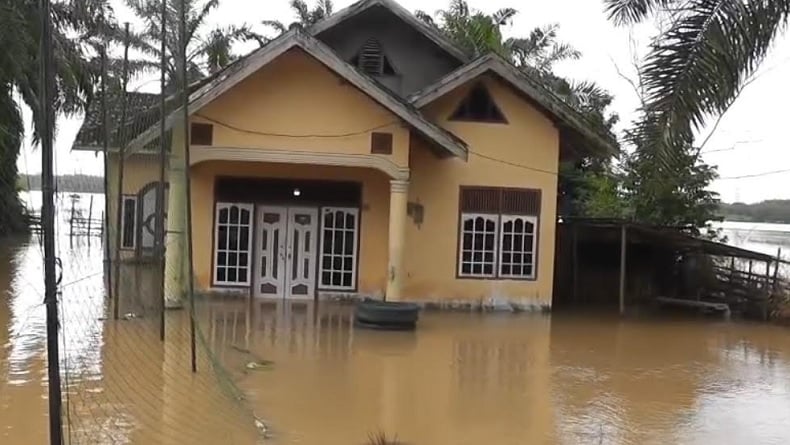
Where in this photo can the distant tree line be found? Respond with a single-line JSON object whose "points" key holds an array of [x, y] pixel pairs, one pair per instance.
{"points": [[65, 183], [773, 211]]}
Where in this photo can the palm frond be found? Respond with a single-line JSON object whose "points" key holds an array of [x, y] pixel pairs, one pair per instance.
{"points": [[301, 9], [504, 16], [199, 17], [696, 68], [626, 12]]}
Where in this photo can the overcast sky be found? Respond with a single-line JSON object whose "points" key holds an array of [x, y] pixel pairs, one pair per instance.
{"points": [[750, 140]]}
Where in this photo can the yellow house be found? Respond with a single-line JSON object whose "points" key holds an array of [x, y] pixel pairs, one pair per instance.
{"points": [[365, 156]]}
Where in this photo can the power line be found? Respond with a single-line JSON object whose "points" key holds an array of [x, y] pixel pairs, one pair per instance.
{"points": [[755, 175], [288, 135]]}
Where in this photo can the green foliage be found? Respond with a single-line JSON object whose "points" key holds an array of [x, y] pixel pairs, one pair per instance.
{"points": [[207, 51], [536, 54], [697, 66], [77, 27], [773, 211], [674, 194], [305, 17]]}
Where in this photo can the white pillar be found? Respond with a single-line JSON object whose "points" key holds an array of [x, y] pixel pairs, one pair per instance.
{"points": [[399, 195], [176, 224]]}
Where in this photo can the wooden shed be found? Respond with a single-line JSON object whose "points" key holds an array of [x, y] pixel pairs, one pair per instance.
{"points": [[617, 263]]}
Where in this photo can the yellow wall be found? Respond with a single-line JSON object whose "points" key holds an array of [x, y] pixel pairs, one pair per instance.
{"points": [[139, 171], [528, 139], [297, 95], [373, 218]]}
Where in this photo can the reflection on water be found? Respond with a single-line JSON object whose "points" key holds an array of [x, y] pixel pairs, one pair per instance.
{"points": [[471, 379], [459, 379], [122, 385]]}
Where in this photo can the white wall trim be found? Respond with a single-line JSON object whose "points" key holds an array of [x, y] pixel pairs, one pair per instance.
{"points": [[200, 154]]}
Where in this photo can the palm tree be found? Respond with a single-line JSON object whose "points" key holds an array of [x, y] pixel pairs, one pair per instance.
{"points": [[207, 52], [305, 16], [77, 26], [698, 65]]}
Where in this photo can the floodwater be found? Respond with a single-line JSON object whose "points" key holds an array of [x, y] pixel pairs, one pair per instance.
{"points": [[460, 379]]}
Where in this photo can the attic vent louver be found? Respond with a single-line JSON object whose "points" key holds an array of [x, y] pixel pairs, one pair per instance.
{"points": [[478, 106], [371, 59]]}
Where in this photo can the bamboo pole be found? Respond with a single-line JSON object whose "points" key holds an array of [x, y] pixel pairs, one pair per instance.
{"points": [[623, 265], [160, 192], [121, 155], [47, 125], [90, 217], [105, 180], [186, 142]]}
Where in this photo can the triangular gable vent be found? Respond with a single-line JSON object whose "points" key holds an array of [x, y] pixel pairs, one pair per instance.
{"points": [[478, 106], [371, 59]]}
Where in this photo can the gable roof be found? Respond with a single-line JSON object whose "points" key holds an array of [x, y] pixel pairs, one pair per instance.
{"points": [[399, 11], [561, 113], [296, 38]]}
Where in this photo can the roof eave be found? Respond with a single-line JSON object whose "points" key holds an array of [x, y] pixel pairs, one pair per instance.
{"points": [[297, 39], [399, 11], [562, 114]]}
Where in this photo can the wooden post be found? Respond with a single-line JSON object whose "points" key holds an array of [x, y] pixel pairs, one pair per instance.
{"points": [[776, 269], [575, 263], [750, 272], [767, 290], [90, 215], [623, 244], [71, 220]]}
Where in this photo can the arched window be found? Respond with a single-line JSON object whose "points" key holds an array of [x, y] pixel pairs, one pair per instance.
{"points": [[371, 59]]}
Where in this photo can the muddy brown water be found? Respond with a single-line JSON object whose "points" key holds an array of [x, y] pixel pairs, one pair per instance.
{"points": [[459, 379]]}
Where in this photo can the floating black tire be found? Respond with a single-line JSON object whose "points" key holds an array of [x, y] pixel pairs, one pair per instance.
{"points": [[385, 327], [386, 315]]}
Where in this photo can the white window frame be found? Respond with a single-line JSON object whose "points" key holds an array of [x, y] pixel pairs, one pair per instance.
{"points": [[489, 217], [499, 251], [504, 219], [124, 199], [216, 251], [354, 252]]}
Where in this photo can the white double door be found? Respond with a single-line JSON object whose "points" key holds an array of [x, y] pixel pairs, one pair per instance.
{"points": [[286, 250]]}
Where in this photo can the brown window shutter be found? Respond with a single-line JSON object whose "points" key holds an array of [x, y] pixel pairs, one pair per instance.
{"points": [[381, 143], [480, 200], [521, 202], [201, 134]]}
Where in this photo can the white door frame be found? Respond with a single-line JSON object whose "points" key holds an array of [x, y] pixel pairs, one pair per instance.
{"points": [[290, 260], [301, 253]]}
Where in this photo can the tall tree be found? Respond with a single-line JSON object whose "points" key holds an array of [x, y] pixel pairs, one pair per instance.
{"points": [[583, 181], [76, 26], [305, 17], [208, 50], [698, 64], [480, 33]]}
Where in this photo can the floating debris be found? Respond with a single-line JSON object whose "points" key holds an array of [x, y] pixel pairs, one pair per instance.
{"points": [[260, 365]]}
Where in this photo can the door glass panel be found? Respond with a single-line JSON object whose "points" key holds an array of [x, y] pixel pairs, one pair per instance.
{"points": [[339, 247], [232, 247]]}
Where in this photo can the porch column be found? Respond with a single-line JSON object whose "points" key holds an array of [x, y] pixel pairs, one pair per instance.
{"points": [[176, 225], [399, 194]]}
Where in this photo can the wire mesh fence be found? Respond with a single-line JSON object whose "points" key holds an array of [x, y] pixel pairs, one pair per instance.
{"points": [[137, 364]]}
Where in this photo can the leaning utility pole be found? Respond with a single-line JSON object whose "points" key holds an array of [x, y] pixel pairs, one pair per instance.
{"points": [[47, 123]]}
